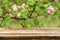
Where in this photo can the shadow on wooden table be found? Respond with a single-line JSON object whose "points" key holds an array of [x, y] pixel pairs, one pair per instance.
{"points": [[31, 38]]}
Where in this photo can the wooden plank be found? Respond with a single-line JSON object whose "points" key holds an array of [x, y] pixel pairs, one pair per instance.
{"points": [[29, 32]]}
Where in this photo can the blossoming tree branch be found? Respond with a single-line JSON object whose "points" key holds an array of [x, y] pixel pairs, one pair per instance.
{"points": [[28, 10]]}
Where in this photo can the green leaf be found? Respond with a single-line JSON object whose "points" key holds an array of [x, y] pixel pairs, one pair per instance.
{"points": [[35, 21], [28, 24], [24, 13], [31, 2], [5, 2], [31, 7], [58, 26], [58, 14], [6, 21], [19, 2], [40, 9], [46, 1], [1, 11], [46, 15]]}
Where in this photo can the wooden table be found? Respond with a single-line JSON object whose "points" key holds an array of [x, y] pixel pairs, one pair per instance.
{"points": [[30, 34]]}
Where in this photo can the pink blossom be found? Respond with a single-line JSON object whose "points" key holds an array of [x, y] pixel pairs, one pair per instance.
{"points": [[19, 7], [51, 10], [11, 15], [15, 8], [23, 5]]}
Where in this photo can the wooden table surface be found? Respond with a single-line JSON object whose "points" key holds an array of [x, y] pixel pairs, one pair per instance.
{"points": [[29, 32]]}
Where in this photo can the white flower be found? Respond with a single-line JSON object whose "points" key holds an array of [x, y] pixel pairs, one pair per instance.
{"points": [[51, 10], [23, 4], [18, 15], [15, 8]]}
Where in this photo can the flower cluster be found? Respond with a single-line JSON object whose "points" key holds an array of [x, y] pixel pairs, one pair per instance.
{"points": [[15, 8], [51, 10]]}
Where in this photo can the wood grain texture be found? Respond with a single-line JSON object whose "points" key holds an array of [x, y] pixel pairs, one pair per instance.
{"points": [[29, 32]]}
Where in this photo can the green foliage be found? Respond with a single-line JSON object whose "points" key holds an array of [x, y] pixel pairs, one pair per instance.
{"points": [[29, 13], [58, 26], [35, 21], [40, 9], [28, 24], [6, 21], [58, 14], [24, 13]]}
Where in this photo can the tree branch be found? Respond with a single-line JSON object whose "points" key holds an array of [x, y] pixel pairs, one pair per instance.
{"points": [[30, 16], [15, 18], [32, 12]]}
